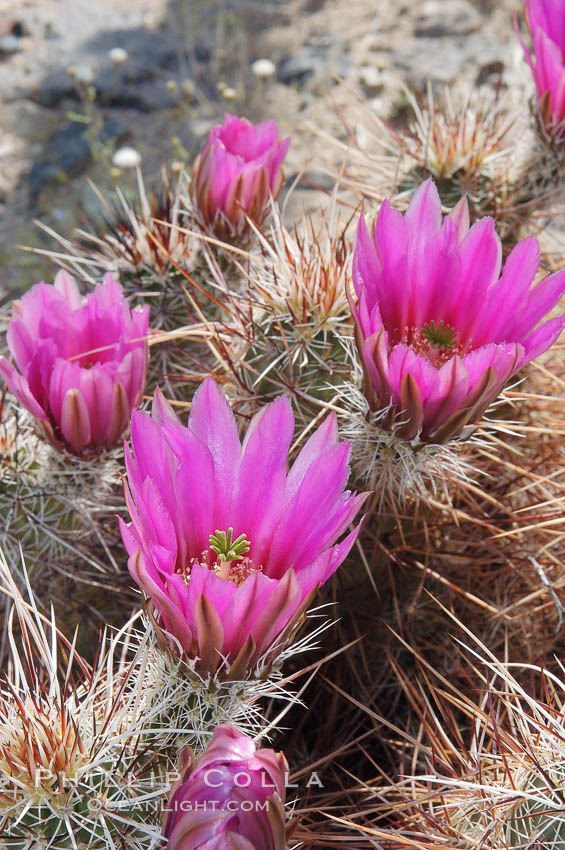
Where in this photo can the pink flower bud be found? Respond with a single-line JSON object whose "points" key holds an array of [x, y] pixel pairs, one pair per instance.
{"points": [[229, 547], [546, 21], [232, 796], [82, 362], [237, 172]]}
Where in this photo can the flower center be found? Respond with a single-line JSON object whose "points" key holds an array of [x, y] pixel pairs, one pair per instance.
{"points": [[436, 341], [230, 564], [440, 336], [226, 557], [226, 548]]}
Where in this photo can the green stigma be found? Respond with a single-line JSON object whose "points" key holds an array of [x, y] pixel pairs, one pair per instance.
{"points": [[441, 335], [226, 548]]}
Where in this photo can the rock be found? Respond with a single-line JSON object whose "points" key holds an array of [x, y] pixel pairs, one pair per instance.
{"points": [[442, 60], [202, 53], [309, 61], [138, 81], [57, 87], [490, 71], [299, 66], [420, 60], [117, 90], [9, 44], [146, 49], [68, 154], [436, 19], [371, 79], [19, 30], [311, 181], [10, 26]]}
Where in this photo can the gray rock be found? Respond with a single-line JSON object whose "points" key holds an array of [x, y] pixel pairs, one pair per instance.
{"points": [[436, 19], [57, 87], [147, 50], [68, 154], [96, 211], [138, 83], [372, 80], [116, 90], [9, 44], [442, 60], [310, 181], [490, 71], [309, 61]]}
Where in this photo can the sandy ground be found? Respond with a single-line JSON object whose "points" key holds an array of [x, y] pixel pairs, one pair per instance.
{"points": [[376, 46]]}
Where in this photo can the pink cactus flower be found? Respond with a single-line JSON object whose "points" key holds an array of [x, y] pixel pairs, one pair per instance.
{"points": [[227, 545], [231, 797], [439, 329], [236, 173], [82, 362], [546, 20]]}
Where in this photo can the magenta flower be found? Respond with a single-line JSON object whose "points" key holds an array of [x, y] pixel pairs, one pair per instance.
{"points": [[439, 329], [228, 599], [82, 362], [237, 171], [232, 797], [546, 20]]}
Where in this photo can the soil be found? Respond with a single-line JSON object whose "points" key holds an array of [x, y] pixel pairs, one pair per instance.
{"points": [[66, 105]]}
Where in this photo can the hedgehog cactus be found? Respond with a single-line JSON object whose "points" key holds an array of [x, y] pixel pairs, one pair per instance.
{"points": [[435, 345], [290, 329], [80, 365], [232, 796], [58, 507], [229, 603], [69, 771], [237, 173]]}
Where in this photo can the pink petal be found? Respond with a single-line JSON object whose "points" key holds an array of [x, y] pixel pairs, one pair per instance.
{"points": [[433, 278], [366, 263], [75, 420], [423, 215], [19, 386], [460, 218], [542, 338], [392, 288], [302, 532], [212, 422], [321, 440], [480, 255], [67, 286], [258, 496], [155, 590], [542, 298], [447, 395], [511, 291]]}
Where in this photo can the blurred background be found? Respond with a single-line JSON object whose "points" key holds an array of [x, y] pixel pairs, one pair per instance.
{"points": [[90, 89]]}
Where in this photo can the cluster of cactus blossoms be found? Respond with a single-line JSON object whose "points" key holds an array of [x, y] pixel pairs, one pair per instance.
{"points": [[227, 543]]}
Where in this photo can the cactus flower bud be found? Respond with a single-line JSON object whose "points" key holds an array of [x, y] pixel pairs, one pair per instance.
{"points": [[231, 797], [237, 172]]}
